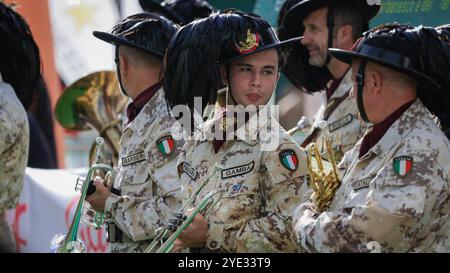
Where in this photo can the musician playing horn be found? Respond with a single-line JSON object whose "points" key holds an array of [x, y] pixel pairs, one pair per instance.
{"points": [[145, 193], [395, 187]]}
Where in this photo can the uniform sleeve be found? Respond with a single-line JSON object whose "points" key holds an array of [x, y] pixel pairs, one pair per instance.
{"points": [[387, 213], [281, 187], [7, 137], [139, 215]]}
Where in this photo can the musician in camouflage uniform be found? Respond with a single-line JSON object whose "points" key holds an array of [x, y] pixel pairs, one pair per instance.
{"points": [[325, 24], [20, 70], [395, 187], [259, 186], [146, 189]]}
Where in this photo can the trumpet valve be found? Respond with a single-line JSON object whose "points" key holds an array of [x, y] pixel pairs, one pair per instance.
{"points": [[79, 184]]}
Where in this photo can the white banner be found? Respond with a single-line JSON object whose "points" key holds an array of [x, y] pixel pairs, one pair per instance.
{"points": [[46, 208], [77, 51]]}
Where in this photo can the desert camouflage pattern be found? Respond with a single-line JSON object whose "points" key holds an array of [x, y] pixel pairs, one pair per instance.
{"points": [[146, 177], [259, 192], [14, 143], [343, 126], [381, 208]]}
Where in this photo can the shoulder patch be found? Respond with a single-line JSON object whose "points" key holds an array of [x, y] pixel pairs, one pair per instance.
{"points": [[402, 164], [165, 144], [238, 170], [289, 159]]}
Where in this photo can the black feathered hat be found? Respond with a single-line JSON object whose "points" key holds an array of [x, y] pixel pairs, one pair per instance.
{"points": [[391, 49], [294, 68], [199, 48], [420, 52], [298, 70], [293, 21], [20, 64], [179, 11], [147, 32]]}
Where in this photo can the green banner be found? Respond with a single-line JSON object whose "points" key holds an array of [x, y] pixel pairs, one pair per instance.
{"points": [[415, 12]]}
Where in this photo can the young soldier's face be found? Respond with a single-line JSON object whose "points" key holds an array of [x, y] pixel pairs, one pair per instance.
{"points": [[253, 78], [315, 37]]}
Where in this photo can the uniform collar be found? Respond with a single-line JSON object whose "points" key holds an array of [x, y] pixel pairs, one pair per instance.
{"points": [[137, 104], [399, 130], [150, 112]]}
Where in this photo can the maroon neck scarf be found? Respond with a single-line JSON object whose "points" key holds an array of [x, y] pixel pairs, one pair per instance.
{"points": [[135, 107], [380, 129]]}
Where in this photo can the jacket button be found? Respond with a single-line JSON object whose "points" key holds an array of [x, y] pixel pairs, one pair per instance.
{"points": [[213, 244]]}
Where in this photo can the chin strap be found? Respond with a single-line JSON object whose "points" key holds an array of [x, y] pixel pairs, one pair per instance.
{"points": [[360, 84], [330, 25], [119, 75]]}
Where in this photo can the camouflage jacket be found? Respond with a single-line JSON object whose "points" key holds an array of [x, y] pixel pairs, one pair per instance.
{"points": [[14, 142], [343, 126], [260, 187], [146, 176], [393, 199]]}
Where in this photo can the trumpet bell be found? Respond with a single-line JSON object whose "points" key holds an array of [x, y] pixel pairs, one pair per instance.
{"points": [[57, 245]]}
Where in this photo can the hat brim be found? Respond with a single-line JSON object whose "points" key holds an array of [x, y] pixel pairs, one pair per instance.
{"points": [[348, 57], [153, 6], [261, 49], [293, 22], [116, 40]]}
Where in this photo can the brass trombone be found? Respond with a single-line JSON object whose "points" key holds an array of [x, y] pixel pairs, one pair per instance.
{"points": [[179, 223], [324, 182], [70, 243]]}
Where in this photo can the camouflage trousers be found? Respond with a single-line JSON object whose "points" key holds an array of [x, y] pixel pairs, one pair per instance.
{"points": [[7, 241]]}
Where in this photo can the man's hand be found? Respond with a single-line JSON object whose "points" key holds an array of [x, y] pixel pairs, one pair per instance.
{"points": [[98, 199], [194, 235]]}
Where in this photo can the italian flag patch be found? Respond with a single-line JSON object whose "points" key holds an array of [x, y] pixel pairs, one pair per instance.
{"points": [[402, 165], [165, 144], [289, 159]]}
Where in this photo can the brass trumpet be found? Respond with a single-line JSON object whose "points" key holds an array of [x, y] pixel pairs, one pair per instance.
{"points": [[70, 243], [324, 182], [179, 223]]}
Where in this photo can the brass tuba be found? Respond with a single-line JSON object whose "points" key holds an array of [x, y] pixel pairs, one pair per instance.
{"points": [[163, 243], [324, 178], [70, 243], [94, 102]]}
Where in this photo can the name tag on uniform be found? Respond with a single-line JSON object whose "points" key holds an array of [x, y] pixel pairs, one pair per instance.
{"points": [[132, 159], [239, 170], [340, 123], [360, 184], [187, 169]]}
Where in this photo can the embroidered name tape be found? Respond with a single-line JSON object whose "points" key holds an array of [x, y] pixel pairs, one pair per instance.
{"points": [[360, 184], [187, 169], [239, 170], [340, 123], [133, 159]]}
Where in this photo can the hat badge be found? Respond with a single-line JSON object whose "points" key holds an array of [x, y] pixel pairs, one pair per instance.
{"points": [[248, 45]]}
